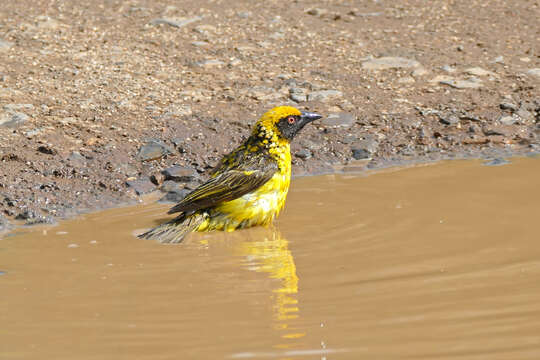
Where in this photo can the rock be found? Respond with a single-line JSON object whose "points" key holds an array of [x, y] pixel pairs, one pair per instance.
{"points": [[498, 60], [5, 45], [470, 117], [277, 36], [263, 93], [180, 173], [525, 115], [534, 72], [291, 82], [200, 43], [407, 150], [496, 162], [157, 178], [210, 63], [141, 186], [509, 119], [493, 130], [76, 158], [48, 23], [178, 142], [18, 107], [170, 185], [324, 95], [421, 71], [406, 80], [508, 106], [369, 145], [297, 97], [448, 119], [473, 129], [440, 78], [174, 196], [192, 185], [477, 71], [316, 12], [153, 150], [449, 69], [32, 218], [44, 149], [175, 22], [357, 13], [304, 154], [472, 83], [359, 154], [178, 110], [296, 94], [235, 62], [205, 29], [389, 62], [339, 120], [244, 14], [475, 140], [13, 119], [246, 50], [91, 141], [4, 223]]}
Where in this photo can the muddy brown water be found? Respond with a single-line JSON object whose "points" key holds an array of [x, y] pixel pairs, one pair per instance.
{"points": [[430, 262]]}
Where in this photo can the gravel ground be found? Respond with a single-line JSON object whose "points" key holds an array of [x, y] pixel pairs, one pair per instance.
{"points": [[98, 98]]}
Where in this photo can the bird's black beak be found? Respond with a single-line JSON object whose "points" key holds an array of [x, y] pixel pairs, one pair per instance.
{"points": [[308, 117]]}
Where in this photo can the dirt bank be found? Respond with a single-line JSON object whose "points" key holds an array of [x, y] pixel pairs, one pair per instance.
{"points": [[98, 98]]}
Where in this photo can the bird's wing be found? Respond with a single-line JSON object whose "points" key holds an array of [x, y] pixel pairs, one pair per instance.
{"points": [[226, 186]]}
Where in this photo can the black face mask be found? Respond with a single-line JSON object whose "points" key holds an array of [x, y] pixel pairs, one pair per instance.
{"points": [[290, 125]]}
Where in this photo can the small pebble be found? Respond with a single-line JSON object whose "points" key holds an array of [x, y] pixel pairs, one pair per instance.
{"points": [[496, 162], [303, 154]]}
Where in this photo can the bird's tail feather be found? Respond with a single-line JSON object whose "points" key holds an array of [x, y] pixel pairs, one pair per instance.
{"points": [[174, 231]]}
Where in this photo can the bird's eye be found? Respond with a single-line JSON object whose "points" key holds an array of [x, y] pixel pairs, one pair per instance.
{"points": [[291, 120]]}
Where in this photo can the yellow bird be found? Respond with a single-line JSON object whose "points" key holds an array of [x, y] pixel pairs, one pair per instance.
{"points": [[248, 187]]}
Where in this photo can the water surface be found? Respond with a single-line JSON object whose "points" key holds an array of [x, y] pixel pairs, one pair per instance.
{"points": [[429, 262]]}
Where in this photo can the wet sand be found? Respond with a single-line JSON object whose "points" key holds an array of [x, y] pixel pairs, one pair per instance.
{"points": [[436, 261]]}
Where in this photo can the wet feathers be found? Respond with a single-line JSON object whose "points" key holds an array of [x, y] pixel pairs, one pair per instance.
{"points": [[248, 187]]}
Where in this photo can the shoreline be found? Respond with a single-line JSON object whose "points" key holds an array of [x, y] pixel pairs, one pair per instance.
{"points": [[9, 227]]}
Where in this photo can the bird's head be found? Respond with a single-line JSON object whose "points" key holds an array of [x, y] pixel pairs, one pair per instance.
{"points": [[285, 121]]}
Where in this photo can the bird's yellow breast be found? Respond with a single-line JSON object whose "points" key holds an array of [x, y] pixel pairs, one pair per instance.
{"points": [[259, 207]]}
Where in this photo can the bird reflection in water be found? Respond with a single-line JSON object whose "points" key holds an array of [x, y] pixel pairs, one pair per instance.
{"points": [[266, 251]]}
